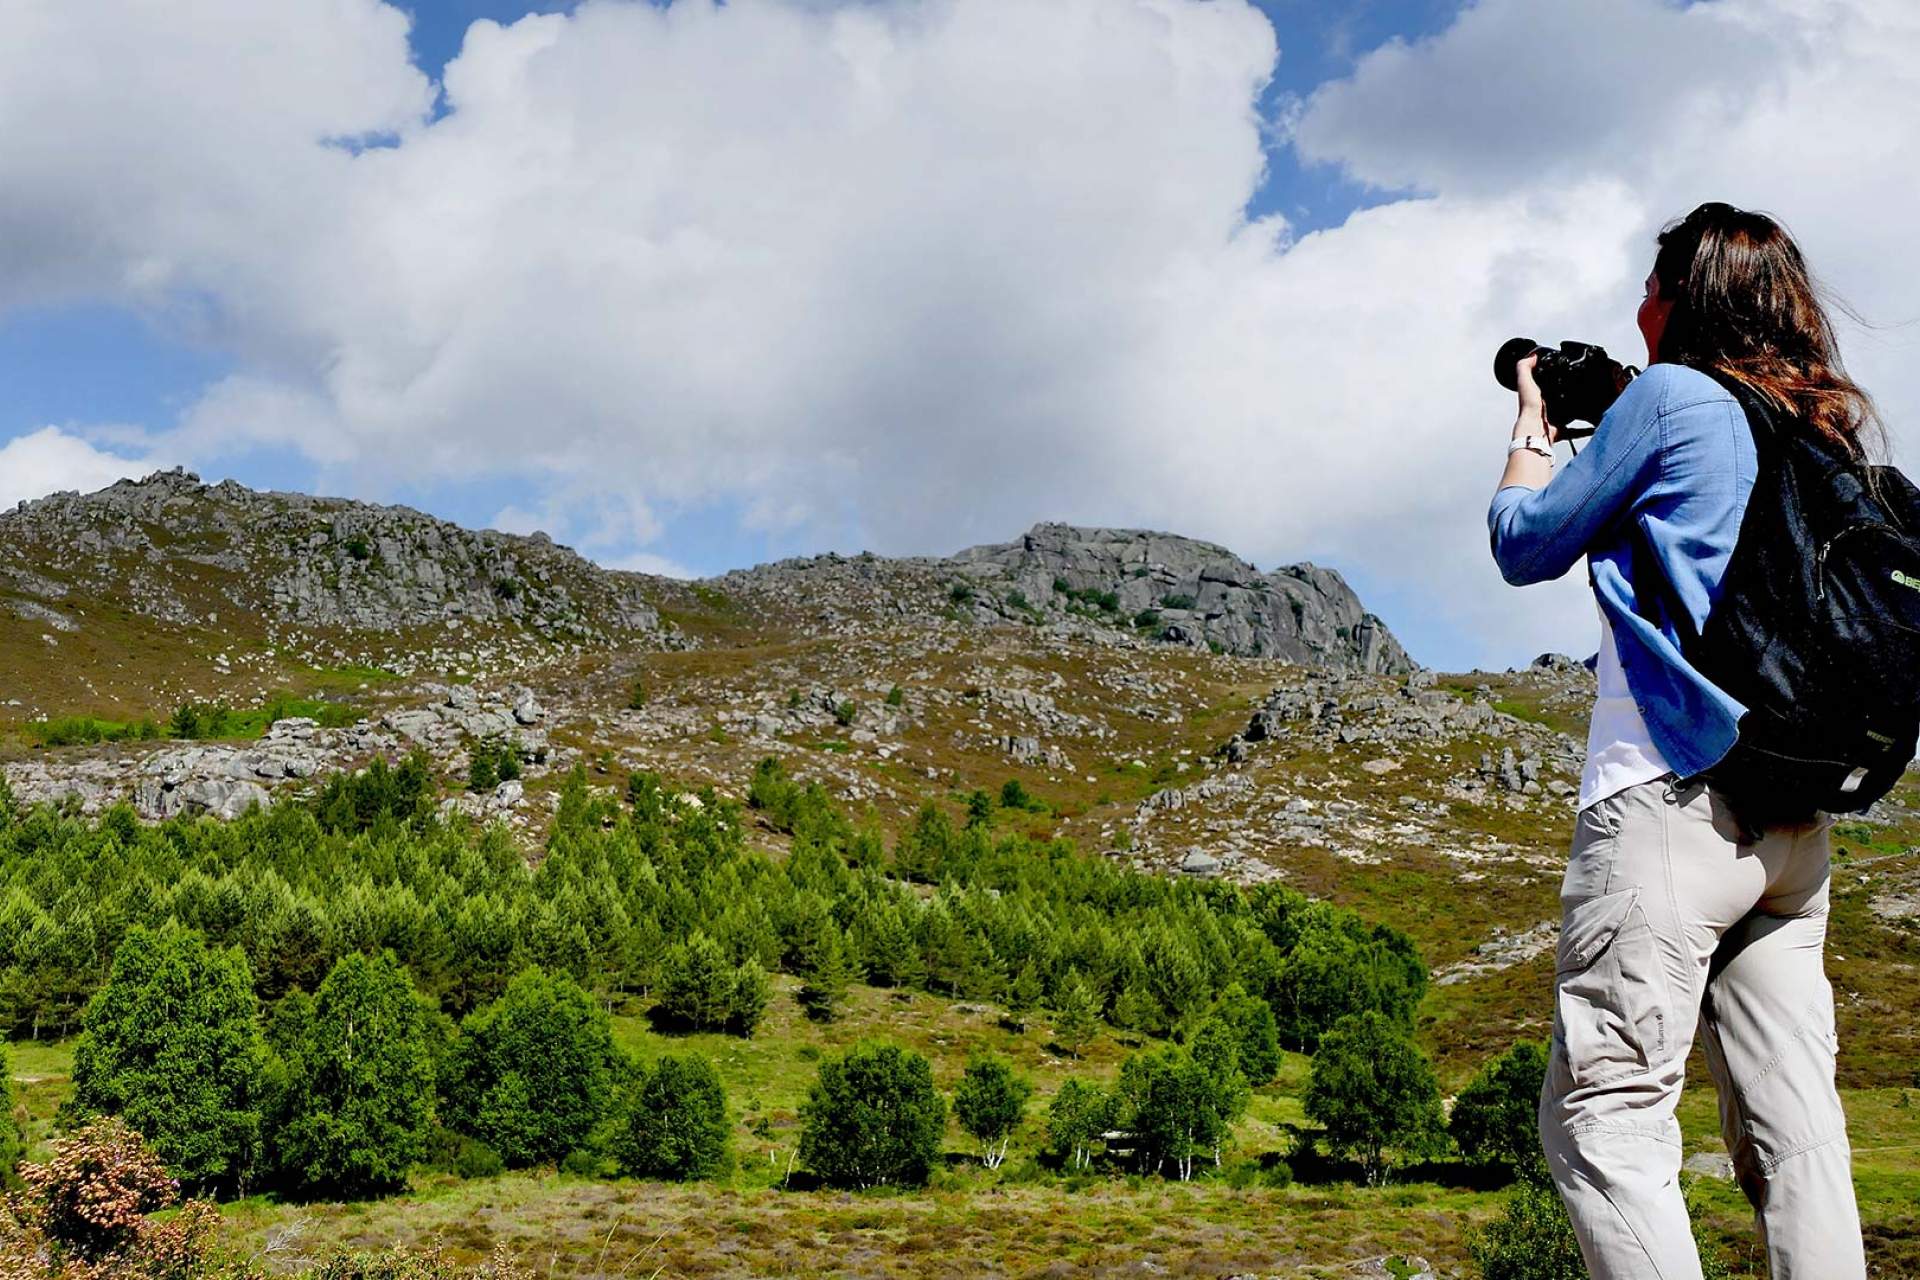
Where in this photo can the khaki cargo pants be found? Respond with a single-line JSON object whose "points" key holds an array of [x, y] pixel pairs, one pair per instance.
{"points": [[1668, 921]]}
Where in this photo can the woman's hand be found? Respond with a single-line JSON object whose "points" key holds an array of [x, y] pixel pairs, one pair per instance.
{"points": [[1533, 405], [1525, 467]]}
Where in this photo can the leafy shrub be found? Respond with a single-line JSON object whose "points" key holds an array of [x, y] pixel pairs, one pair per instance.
{"points": [[1179, 600], [989, 1103], [673, 1121], [1531, 1240], [960, 593], [844, 713], [1495, 1118], [461, 1154], [358, 547], [433, 1263], [896, 696], [201, 720], [1146, 619], [637, 695], [1372, 1089], [68, 731], [533, 1072], [171, 1044], [12, 1143], [1014, 795], [494, 760], [872, 1118]]}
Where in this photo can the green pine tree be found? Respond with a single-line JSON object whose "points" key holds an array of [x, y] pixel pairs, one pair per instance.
{"points": [[823, 994], [1077, 1017]]}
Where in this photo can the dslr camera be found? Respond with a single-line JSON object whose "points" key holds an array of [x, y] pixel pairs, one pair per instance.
{"points": [[1578, 380]]}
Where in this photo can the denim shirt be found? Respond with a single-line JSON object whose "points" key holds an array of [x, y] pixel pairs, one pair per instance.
{"points": [[1675, 458]]}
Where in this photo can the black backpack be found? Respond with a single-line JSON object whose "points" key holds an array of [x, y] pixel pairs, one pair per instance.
{"points": [[1816, 629]]}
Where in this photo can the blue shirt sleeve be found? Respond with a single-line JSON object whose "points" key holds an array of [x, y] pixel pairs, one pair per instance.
{"points": [[1538, 534]]}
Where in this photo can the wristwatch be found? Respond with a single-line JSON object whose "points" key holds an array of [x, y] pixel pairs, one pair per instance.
{"points": [[1533, 444]]}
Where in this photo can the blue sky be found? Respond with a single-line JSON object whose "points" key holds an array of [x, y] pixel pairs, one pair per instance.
{"points": [[696, 287]]}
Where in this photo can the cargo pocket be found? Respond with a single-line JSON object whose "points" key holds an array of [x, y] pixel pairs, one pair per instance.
{"points": [[1609, 994]]}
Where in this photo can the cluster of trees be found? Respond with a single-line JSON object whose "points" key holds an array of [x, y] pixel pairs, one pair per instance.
{"points": [[318, 922], [656, 899], [340, 1092]]}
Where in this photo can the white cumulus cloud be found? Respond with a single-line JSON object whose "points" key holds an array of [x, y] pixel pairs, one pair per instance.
{"points": [[50, 460], [921, 272]]}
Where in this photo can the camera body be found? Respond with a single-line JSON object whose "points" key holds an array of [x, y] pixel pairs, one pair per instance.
{"points": [[1578, 380]]}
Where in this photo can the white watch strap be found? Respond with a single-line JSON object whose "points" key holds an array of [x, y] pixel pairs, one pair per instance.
{"points": [[1533, 444]]}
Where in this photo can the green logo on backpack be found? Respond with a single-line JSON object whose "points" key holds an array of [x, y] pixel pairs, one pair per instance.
{"points": [[1906, 580]]}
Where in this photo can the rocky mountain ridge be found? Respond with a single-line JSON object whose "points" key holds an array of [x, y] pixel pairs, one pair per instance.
{"points": [[155, 546], [173, 550], [1110, 586]]}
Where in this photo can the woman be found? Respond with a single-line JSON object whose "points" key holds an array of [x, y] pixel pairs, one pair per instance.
{"points": [[1675, 913]]}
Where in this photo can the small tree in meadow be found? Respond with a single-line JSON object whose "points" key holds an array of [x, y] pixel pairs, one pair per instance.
{"points": [[1078, 1015], [989, 1103], [823, 992], [1079, 1114], [1495, 1118], [873, 1118], [673, 1121], [533, 1071], [359, 1084], [1372, 1089], [172, 1045]]}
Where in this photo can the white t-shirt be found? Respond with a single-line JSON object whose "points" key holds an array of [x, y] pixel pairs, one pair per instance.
{"points": [[1619, 752]]}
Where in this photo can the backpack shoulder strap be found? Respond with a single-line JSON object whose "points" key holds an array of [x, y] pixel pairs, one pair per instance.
{"points": [[1649, 576]]}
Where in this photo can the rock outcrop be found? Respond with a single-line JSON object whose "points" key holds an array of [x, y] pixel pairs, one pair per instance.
{"points": [[1110, 586], [1182, 591], [170, 548]]}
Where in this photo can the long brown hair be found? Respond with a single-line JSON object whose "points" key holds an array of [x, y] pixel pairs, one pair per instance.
{"points": [[1746, 305]]}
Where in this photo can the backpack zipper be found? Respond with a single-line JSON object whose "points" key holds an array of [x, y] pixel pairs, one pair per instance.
{"points": [[1820, 559]]}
